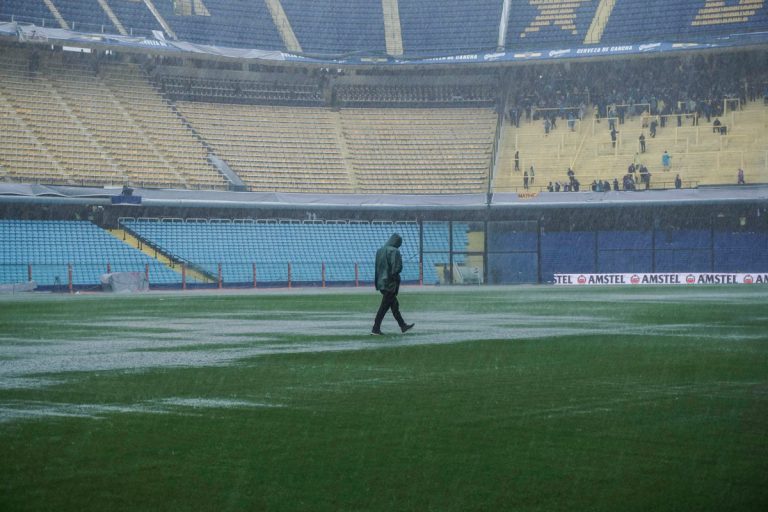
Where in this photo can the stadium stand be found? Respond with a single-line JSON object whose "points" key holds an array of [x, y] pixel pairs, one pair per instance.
{"points": [[548, 23], [698, 155], [44, 115], [163, 128], [416, 95], [339, 252], [274, 148], [339, 245], [681, 20], [427, 27], [24, 157], [47, 248], [135, 17], [681, 98], [308, 246], [420, 150], [154, 117], [94, 133], [446, 26], [85, 16], [80, 119], [329, 27], [236, 90], [26, 11], [748, 15], [237, 24]]}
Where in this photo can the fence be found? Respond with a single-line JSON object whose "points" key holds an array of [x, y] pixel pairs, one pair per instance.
{"points": [[71, 277]]}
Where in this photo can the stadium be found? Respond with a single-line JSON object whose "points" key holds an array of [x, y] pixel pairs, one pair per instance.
{"points": [[238, 164]]}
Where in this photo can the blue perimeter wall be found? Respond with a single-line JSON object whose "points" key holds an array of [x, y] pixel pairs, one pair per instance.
{"points": [[513, 257]]}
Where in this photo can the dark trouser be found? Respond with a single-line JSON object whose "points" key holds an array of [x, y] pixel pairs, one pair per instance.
{"points": [[388, 301]]}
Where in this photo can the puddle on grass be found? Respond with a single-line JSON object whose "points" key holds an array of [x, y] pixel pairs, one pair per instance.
{"points": [[225, 339]]}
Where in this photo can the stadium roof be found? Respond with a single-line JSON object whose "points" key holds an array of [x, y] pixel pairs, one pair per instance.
{"points": [[42, 194]]}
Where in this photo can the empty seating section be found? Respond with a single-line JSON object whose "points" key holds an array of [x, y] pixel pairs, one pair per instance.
{"points": [[162, 127], [27, 11], [429, 27], [135, 16], [651, 20], [545, 23], [564, 23], [23, 157], [274, 148], [679, 20], [407, 150], [234, 23], [111, 126], [716, 15], [77, 120], [272, 245], [85, 15], [446, 26], [329, 26], [416, 95], [188, 88], [50, 246], [73, 123], [45, 117]]}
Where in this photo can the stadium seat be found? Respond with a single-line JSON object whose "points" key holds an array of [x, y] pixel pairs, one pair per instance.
{"points": [[306, 246], [49, 247]]}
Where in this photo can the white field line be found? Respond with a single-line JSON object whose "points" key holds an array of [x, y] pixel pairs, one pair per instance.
{"points": [[18, 410]]}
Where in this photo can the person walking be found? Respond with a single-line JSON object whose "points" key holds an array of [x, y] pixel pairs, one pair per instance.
{"points": [[389, 264]]}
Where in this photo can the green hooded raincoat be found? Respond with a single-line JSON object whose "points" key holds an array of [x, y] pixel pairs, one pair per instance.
{"points": [[389, 264]]}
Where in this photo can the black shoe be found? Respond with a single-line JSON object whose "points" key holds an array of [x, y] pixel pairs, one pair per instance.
{"points": [[407, 327], [377, 333]]}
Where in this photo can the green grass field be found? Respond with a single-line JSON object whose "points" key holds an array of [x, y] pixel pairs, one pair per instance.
{"points": [[519, 398]]}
